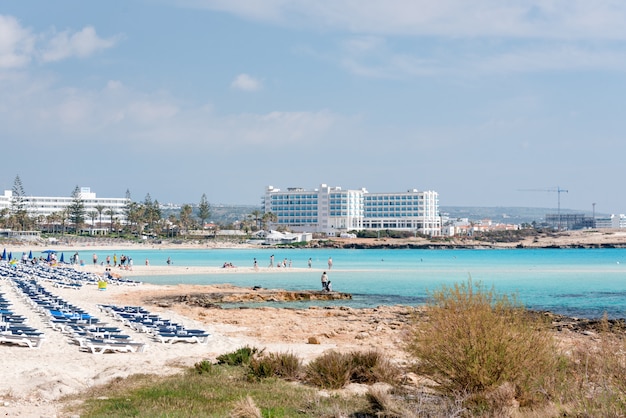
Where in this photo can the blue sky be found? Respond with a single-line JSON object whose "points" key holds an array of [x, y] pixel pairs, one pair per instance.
{"points": [[176, 98]]}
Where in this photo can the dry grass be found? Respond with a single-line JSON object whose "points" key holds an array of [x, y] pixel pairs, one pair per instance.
{"points": [[484, 345], [246, 408], [597, 376]]}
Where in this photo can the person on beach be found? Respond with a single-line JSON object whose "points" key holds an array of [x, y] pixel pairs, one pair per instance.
{"points": [[329, 286], [272, 260], [114, 260], [95, 259], [256, 265], [310, 262], [330, 263], [147, 262], [169, 261], [324, 281], [108, 260]]}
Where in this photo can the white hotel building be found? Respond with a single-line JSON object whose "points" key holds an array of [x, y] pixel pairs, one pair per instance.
{"points": [[44, 206], [331, 210]]}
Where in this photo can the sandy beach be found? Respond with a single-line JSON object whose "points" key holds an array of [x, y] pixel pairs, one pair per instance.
{"points": [[34, 380]]}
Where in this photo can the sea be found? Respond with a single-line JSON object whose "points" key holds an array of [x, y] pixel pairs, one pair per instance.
{"points": [[584, 283]]}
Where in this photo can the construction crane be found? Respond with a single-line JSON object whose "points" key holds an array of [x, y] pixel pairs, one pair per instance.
{"points": [[556, 190]]}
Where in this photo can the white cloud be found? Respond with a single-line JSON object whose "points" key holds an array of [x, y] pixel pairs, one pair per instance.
{"points": [[16, 43], [80, 44], [124, 117], [416, 38], [19, 45], [246, 82], [532, 19]]}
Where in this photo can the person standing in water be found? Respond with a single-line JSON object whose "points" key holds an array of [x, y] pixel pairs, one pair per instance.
{"points": [[330, 263], [324, 281]]}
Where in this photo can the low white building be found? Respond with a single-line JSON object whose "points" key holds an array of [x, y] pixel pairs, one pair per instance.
{"points": [[47, 205]]}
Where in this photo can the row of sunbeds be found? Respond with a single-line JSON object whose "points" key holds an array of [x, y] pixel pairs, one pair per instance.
{"points": [[67, 277], [161, 330], [13, 327], [87, 331]]}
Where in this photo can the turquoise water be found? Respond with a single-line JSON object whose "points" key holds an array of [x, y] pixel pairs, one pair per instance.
{"points": [[576, 282]]}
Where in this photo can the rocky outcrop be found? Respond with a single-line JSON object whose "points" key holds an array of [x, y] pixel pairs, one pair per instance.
{"points": [[255, 295]]}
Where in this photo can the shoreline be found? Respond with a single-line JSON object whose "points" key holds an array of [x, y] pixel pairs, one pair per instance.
{"points": [[609, 238]]}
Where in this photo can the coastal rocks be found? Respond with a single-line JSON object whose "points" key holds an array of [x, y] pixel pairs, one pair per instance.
{"points": [[214, 299], [586, 326]]}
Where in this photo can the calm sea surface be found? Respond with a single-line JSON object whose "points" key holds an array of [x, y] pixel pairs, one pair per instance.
{"points": [[576, 282]]}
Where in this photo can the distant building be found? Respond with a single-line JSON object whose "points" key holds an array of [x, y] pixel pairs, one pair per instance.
{"points": [[333, 211], [46, 205], [569, 221], [613, 221]]}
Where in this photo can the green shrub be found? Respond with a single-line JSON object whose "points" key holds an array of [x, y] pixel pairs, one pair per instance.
{"points": [[238, 358], [330, 371], [284, 365], [370, 367], [335, 370], [289, 366], [476, 342], [203, 366], [263, 367]]}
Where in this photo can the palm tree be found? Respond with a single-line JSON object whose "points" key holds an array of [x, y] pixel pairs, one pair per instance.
{"points": [[257, 215], [99, 209], [268, 218], [185, 216], [93, 214], [110, 213]]}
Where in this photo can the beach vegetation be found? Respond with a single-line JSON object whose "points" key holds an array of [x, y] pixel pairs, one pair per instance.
{"points": [[222, 393], [329, 371], [286, 366], [334, 370], [486, 347], [596, 384], [239, 357]]}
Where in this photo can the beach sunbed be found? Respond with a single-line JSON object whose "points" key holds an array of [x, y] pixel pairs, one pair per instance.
{"points": [[100, 346], [32, 341]]}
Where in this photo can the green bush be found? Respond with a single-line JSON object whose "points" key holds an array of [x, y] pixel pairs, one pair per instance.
{"points": [[288, 366], [370, 367], [203, 366], [284, 365], [476, 342], [330, 371], [237, 358], [335, 370]]}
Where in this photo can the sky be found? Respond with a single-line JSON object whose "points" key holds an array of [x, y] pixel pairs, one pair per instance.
{"points": [[489, 103]]}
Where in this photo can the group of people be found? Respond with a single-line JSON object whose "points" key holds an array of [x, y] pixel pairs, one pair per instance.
{"points": [[125, 263], [287, 263]]}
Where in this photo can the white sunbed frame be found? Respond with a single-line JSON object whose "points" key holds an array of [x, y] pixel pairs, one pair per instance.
{"points": [[30, 341]]}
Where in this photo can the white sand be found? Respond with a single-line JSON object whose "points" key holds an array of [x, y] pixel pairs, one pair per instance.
{"points": [[34, 379]]}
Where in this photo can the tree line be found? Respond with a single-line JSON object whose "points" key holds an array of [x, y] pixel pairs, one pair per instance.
{"points": [[136, 217]]}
